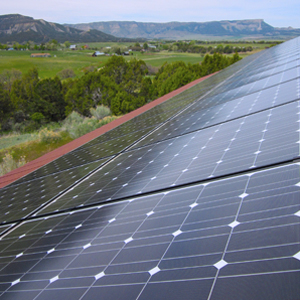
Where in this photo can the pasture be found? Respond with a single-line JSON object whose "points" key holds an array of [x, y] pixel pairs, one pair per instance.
{"points": [[82, 60]]}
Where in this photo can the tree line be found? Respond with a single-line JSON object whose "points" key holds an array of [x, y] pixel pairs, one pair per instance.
{"points": [[26, 101]]}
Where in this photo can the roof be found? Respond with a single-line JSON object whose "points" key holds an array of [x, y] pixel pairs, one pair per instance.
{"points": [[40, 55]]}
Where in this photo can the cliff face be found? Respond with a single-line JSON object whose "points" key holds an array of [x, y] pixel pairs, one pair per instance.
{"points": [[177, 30], [20, 28]]}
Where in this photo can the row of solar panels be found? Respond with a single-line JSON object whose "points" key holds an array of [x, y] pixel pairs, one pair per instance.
{"points": [[198, 198]]}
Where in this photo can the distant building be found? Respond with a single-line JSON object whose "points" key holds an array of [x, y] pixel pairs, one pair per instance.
{"points": [[97, 53], [73, 47], [40, 55], [10, 49]]}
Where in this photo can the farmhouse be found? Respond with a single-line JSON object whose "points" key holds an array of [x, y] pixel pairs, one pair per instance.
{"points": [[40, 55], [97, 53]]}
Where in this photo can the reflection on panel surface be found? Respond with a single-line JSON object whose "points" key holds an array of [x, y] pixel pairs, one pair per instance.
{"points": [[242, 229]]}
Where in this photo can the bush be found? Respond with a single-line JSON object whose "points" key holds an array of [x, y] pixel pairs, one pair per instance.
{"points": [[77, 125], [100, 112], [8, 164], [37, 117], [73, 117], [86, 126], [66, 73], [48, 136]]}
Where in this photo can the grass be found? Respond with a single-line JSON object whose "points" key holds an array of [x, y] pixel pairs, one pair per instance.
{"points": [[14, 139], [80, 60], [32, 149], [48, 66]]}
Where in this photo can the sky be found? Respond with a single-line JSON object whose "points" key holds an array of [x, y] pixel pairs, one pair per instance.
{"points": [[277, 13]]}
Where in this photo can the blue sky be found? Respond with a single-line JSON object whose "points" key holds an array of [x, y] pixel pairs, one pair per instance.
{"points": [[277, 13]]}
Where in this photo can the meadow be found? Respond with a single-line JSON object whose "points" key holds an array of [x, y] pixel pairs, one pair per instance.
{"points": [[82, 60]]}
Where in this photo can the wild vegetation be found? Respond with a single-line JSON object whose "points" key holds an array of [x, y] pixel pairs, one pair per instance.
{"points": [[55, 111]]}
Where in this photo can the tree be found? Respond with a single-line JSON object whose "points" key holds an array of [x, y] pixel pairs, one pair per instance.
{"points": [[90, 90], [6, 106], [67, 44], [22, 92], [50, 101], [172, 76], [7, 78]]}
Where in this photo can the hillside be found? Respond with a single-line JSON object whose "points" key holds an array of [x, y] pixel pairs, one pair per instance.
{"points": [[18, 28], [241, 29]]}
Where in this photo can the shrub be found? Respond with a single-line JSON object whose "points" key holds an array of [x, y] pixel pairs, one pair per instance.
{"points": [[48, 136], [100, 112], [8, 164], [66, 73], [79, 129], [72, 118]]}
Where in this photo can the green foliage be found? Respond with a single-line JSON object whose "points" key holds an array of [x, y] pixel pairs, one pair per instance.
{"points": [[12, 139], [22, 92], [100, 112], [77, 125], [48, 136], [6, 106], [7, 78], [118, 85], [9, 163], [37, 117], [73, 118], [66, 73], [49, 99], [83, 94], [192, 47]]}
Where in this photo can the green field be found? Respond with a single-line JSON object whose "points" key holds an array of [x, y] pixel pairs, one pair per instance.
{"points": [[80, 60]]}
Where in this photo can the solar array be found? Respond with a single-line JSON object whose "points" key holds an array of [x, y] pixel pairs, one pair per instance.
{"points": [[198, 198]]}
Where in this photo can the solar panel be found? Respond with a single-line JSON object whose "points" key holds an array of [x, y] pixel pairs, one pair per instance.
{"points": [[203, 237], [20, 200], [254, 141], [197, 198]]}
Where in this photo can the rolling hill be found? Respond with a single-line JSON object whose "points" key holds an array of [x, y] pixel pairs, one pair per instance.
{"points": [[18, 28], [241, 29]]}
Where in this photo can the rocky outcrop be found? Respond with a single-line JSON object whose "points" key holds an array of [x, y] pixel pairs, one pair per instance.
{"points": [[181, 30]]}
